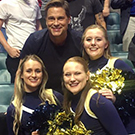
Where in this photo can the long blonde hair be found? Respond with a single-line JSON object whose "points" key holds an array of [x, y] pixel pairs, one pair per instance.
{"points": [[19, 91], [107, 52], [68, 95]]}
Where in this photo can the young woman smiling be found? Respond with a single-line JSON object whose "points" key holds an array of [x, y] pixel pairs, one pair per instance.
{"points": [[30, 92], [96, 112]]}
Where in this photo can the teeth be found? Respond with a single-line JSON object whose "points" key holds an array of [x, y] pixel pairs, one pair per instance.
{"points": [[93, 49], [74, 84], [33, 80]]}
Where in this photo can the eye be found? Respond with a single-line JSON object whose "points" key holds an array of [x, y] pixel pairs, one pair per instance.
{"points": [[38, 71], [61, 18], [67, 74], [51, 18], [98, 39], [88, 39], [28, 70], [77, 73]]}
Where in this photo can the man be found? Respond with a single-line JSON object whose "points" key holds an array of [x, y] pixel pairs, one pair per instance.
{"points": [[131, 51], [21, 18], [42, 20], [85, 13], [56, 43], [127, 24]]}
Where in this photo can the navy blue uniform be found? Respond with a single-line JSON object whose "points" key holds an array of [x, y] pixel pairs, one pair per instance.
{"points": [[107, 122], [31, 101]]}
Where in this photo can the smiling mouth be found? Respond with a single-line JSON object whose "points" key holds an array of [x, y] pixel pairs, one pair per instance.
{"points": [[74, 84], [93, 49], [56, 29], [33, 81]]}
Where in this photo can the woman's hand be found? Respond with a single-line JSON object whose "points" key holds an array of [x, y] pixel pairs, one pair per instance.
{"points": [[108, 94], [35, 133]]}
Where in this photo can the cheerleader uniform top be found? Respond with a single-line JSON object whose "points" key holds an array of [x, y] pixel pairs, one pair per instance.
{"points": [[102, 62], [113, 62], [99, 115], [31, 101]]}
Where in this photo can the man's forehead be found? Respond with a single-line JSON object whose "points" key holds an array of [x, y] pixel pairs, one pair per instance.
{"points": [[56, 11]]}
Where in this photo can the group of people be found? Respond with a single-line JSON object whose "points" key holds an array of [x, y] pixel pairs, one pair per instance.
{"points": [[93, 108], [55, 64]]}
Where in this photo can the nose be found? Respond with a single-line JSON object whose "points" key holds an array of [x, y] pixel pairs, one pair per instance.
{"points": [[33, 74], [72, 78], [93, 42], [56, 22]]}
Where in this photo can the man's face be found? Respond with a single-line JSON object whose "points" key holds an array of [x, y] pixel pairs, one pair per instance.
{"points": [[57, 22]]}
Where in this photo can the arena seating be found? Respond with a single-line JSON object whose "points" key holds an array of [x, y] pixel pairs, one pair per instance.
{"points": [[4, 74], [6, 88], [6, 93], [113, 21], [113, 31]]}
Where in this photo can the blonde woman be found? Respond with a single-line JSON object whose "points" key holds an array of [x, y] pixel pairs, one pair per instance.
{"points": [[30, 92], [96, 51], [95, 111]]}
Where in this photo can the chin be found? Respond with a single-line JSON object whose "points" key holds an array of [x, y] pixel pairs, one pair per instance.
{"points": [[56, 35], [74, 91]]}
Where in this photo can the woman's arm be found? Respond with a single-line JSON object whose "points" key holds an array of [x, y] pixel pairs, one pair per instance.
{"points": [[10, 119], [107, 115], [120, 64], [108, 94], [35, 133]]}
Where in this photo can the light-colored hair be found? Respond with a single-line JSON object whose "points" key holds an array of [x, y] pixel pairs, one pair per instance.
{"points": [[107, 53], [19, 90], [68, 94], [58, 3]]}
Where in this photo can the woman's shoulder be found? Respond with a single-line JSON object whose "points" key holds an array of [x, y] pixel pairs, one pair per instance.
{"points": [[10, 109], [99, 103], [99, 99], [96, 103], [58, 95], [120, 64], [55, 96]]}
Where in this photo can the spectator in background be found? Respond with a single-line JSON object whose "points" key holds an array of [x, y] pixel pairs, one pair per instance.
{"points": [[40, 3], [84, 13], [30, 92], [42, 20], [127, 25], [4, 33], [21, 18], [56, 43], [106, 8], [131, 51]]}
